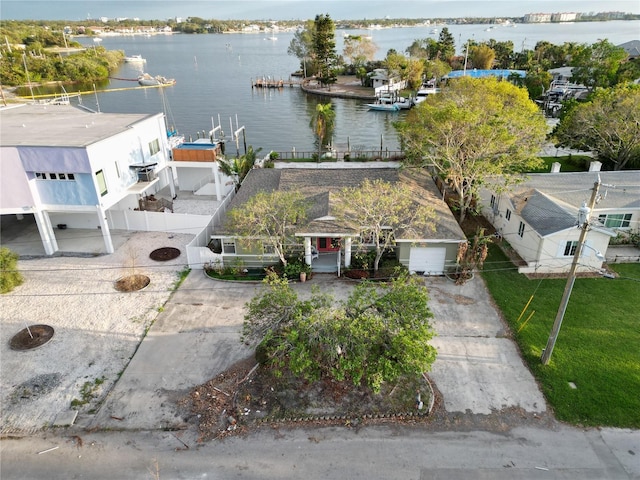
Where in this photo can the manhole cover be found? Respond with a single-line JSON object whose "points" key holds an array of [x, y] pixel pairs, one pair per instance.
{"points": [[164, 254], [132, 283], [31, 337]]}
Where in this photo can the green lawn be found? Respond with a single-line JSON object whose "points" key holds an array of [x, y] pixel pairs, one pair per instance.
{"points": [[598, 347]]}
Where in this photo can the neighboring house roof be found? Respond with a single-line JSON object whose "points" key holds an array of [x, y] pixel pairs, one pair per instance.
{"points": [[542, 213], [40, 125], [549, 202], [320, 186], [632, 48]]}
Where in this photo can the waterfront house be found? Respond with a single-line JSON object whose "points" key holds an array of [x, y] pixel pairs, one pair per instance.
{"points": [[326, 244], [65, 167], [539, 217]]}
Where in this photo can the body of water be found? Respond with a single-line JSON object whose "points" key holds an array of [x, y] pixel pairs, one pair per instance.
{"points": [[214, 75]]}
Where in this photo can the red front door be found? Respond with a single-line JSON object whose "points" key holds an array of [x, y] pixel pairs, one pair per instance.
{"points": [[328, 244]]}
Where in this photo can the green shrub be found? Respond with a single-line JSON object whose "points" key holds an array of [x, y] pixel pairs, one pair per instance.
{"points": [[10, 277]]}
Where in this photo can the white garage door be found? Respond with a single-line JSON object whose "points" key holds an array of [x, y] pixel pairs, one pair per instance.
{"points": [[427, 260]]}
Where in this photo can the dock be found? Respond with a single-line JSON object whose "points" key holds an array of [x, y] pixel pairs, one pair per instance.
{"points": [[268, 82]]}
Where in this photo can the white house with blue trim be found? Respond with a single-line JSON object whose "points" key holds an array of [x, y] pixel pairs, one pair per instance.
{"points": [[65, 167]]}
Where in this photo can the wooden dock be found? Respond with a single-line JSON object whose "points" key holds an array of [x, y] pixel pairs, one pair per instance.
{"points": [[268, 82]]}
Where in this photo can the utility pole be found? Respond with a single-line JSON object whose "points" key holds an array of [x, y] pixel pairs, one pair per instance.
{"points": [[546, 353]]}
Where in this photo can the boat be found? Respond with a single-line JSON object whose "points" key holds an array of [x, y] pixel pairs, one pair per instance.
{"points": [[424, 91], [147, 80], [134, 59], [384, 104], [97, 40]]}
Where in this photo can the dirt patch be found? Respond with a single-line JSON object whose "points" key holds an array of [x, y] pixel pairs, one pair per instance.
{"points": [[31, 337], [247, 396], [164, 254], [132, 283]]}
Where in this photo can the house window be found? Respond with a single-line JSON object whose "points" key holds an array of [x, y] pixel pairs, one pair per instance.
{"points": [[117, 169], [507, 214], [570, 248], [621, 220], [54, 176], [154, 147], [521, 229], [102, 183], [493, 201], [229, 246], [268, 249]]}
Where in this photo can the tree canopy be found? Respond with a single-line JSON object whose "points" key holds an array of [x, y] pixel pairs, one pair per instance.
{"points": [[474, 129], [378, 334], [270, 218], [608, 124], [239, 167], [10, 277], [597, 65], [359, 50], [378, 209]]}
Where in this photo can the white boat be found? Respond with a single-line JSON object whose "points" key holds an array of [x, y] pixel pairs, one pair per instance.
{"points": [[384, 104], [147, 80], [134, 59], [97, 40], [424, 91]]}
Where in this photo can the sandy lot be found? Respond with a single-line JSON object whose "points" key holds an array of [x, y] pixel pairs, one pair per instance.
{"points": [[97, 329]]}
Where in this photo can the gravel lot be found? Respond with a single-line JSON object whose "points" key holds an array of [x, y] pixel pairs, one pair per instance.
{"points": [[97, 329]]}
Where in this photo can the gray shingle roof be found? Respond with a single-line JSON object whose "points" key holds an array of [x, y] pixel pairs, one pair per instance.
{"points": [[317, 185], [541, 213], [549, 202]]}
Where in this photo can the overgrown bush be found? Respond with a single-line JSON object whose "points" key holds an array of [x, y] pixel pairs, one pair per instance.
{"points": [[10, 277]]}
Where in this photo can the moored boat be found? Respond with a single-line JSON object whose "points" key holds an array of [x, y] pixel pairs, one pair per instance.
{"points": [[134, 59], [147, 80], [384, 104]]}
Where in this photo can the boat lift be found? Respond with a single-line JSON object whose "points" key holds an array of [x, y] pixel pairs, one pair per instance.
{"points": [[217, 134]]}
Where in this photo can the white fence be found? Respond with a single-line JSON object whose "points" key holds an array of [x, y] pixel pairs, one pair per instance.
{"points": [[198, 253], [156, 221]]}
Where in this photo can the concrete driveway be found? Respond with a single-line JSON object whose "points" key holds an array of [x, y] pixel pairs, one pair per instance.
{"points": [[478, 370], [197, 336]]}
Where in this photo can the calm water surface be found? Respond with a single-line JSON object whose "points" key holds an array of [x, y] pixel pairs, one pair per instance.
{"points": [[214, 75]]}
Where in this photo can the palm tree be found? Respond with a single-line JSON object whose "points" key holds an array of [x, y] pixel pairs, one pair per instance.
{"points": [[238, 168], [322, 123]]}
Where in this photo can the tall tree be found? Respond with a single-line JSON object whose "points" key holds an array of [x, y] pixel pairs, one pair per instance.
{"points": [[269, 217], [379, 334], [473, 130], [378, 209], [322, 123], [446, 45], [608, 124], [324, 48], [301, 46]]}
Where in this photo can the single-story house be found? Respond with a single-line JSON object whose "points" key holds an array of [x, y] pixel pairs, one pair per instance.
{"points": [[326, 244], [382, 82], [539, 216]]}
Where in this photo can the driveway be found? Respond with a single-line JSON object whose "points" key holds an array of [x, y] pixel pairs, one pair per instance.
{"points": [[478, 369], [196, 337]]}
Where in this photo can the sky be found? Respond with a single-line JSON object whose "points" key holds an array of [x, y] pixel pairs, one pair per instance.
{"points": [[297, 9]]}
